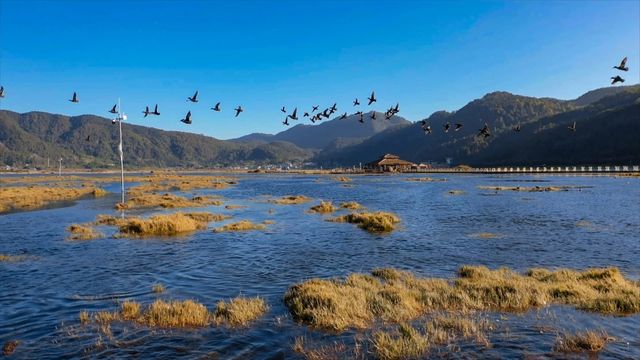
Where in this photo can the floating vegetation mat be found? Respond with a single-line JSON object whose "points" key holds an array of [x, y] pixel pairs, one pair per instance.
{"points": [[291, 200], [82, 232], [588, 341], [393, 295], [148, 200], [323, 208], [167, 225], [34, 197], [242, 225], [351, 205], [371, 221]]}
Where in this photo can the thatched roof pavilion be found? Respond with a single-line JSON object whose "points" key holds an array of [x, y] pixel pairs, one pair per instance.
{"points": [[389, 162]]}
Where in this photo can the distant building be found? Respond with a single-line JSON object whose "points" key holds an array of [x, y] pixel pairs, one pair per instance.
{"points": [[389, 163]]}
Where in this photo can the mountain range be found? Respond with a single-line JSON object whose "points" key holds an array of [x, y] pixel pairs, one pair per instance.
{"points": [[607, 131]]}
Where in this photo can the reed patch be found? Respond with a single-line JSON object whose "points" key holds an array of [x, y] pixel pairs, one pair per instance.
{"points": [[34, 197], [371, 221], [163, 225], [291, 200], [242, 225], [324, 207], [149, 200], [82, 232], [239, 311], [587, 341]]}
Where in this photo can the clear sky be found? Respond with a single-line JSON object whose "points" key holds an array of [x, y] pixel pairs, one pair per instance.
{"points": [[267, 54]]}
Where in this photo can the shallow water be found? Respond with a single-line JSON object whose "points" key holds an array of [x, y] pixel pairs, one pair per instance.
{"points": [[41, 297]]}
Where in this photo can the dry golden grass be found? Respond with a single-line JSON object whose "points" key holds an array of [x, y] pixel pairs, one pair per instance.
{"points": [[323, 208], [9, 347], [374, 222], [447, 328], [169, 224], [588, 341], [130, 310], [351, 205], [529, 188], [82, 232], [334, 351], [397, 296], [174, 182], [485, 235], [142, 200], [343, 179], [84, 317], [175, 314], [33, 197], [242, 225], [158, 288], [239, 311], [405, 343], [11, 258], [291, 200]]}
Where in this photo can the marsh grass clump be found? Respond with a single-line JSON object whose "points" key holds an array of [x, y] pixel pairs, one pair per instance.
{"points": [[169, 224], [323, 208], [536, 188], [291, 200], [82, 232], [447, 328], [158, 288], [351, 205], [240, 311], [84, 317], [397, 296], [149, 200], [588, 341], [175, 314], [130, 310], [242, 225], [405, 343], [379, 221], [11, 258], [343, 179], [485, 235], [174, 182], [37, 196]]}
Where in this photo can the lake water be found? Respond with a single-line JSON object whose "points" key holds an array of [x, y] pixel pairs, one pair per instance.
{"points": [[41, 297]]}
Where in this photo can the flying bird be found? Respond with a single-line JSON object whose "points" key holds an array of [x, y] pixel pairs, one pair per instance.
{"points": [[113, 109], [146, 111], [294, 116], [446, 127], [283, 110], [155, 111], [572, 127], [326, 113], [616, 79], [516, 128], [187, 119], [356, 102], [74, 99], [344, 116], [194, 98], [286, 122], [622, 65], [217, 107], [373, 115], [333, 108], [484, 131], [372, 98], [1, 91], [361, 116], [238, 110], [306, 114], [315, 108], [458, 127]]}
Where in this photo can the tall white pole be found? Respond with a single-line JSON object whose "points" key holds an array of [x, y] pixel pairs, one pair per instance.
{"points": [[60, 167], [120, 149]]}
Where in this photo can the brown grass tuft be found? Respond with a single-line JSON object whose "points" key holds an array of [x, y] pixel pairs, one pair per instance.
{"points": [[130, 310], [175, 314], [343, 179], [397, 296], [374, 222], [82, 232], [149, 200], [242, 225], [33, 197], [240, 311], [84, 317], [485, 235], [170, 224], [588, 341], [405, 343], [323, 208], [11, 258], [291, 200], [158, 288], [351, 205]]}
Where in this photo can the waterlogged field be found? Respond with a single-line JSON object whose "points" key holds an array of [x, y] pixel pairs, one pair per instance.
{"points": [[244, 269]]}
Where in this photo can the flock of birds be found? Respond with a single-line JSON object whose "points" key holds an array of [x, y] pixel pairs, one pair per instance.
{"points": [[316, 115]]}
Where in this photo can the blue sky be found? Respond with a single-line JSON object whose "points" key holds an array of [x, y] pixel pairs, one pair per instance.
{"points": [[428, 56]]}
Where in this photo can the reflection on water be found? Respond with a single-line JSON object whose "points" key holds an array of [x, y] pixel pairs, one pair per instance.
{"points": [[41, 297]]}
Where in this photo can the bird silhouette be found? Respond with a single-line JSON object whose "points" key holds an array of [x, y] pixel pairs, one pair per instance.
{"points": [[333, 108], [616, 79], [238, 110], [187, 119], [146, 111], [314, 118], [294, 116], [217, 107], [344, 116], [155, 111], [193, 98], [516, 128], [446, 127], [373, 115], [315, 108], [283, 110], [458, 127], [484, 131], [286, 122], [622, 65], [74, 99], [356, 102], [572, 127], [427, 130], [326, 113], [306, 114], [361, 116], [88, 138], [372, 98], [113, 109], [1, 91]]}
